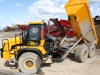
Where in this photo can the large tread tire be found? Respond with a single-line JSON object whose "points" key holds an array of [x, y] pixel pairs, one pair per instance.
{"points": [[91, 48], [29, 56], [81, 53]]}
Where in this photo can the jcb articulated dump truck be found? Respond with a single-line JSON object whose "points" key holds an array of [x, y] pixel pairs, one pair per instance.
{"points": [[36, 45]]}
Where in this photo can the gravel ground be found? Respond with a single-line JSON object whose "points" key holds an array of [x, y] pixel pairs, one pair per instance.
{"points": [[67, 67], [8, 34]]}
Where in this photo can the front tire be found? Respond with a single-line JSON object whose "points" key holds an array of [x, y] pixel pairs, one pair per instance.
{"points": [[29, 63]]}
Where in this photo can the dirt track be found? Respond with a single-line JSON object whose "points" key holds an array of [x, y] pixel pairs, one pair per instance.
{"points": [[68, 67]]}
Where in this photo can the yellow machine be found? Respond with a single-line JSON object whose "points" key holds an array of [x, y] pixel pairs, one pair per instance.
{"points": [[34, 46], [7, 28]]}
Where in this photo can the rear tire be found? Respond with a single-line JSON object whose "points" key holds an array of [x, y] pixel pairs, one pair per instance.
{"points": [[29, 63], [81, 53], [91, 48]]}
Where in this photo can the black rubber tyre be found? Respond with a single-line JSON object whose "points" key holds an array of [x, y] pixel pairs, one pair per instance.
{"points": [[91, 48], [81, 53], [29, 63]]}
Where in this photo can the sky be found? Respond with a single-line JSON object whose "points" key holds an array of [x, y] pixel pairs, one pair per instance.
{"points": [[24, 11]]}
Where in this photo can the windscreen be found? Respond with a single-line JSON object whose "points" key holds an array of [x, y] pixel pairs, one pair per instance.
{"points": [[33, 32]]}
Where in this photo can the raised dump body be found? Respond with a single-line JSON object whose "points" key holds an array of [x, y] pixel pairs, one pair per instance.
{"points": [[80, 17]]}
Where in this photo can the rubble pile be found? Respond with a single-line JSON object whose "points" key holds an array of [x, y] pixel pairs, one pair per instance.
{"points": [[8, 34]]}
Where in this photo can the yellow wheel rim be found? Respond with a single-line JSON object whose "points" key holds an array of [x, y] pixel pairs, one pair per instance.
{"points": [[92, 51], [29, 64], [84, 54]]}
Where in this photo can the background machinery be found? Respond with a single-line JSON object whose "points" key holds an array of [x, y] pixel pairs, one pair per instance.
{"points": [[7, 28], [41, 43], [13, 28]]}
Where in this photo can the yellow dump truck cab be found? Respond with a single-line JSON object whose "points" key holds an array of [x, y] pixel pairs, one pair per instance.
{"points": [[31, 47], [31, 38], [27, 48]]}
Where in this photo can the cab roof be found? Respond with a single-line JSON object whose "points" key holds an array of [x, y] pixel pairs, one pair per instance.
{"points": [[42, 22]]}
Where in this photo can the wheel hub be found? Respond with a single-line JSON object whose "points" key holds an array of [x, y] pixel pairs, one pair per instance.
{"points": [[92, 52], [84, 54], [29, 64]]}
